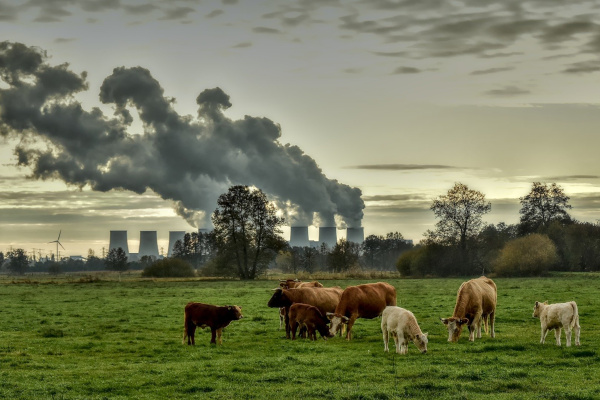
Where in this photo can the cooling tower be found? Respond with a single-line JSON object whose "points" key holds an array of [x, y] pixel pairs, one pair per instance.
{"points": [[328, 235], [148, 244], [174, 236], [299, 236], [356, 235], [118, 239]]}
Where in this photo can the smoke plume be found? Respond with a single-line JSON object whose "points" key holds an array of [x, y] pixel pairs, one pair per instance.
{"points": [[188, 160]]}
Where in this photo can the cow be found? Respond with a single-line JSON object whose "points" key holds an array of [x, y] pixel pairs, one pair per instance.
{"points": [[325, 299], [475, 302], [361, 301], [293, 284], [403, 326], [308, 317], [203, 315], [557, 316]]}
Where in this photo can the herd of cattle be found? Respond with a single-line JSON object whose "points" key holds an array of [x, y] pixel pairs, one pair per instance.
{"points": [[313, 308]]}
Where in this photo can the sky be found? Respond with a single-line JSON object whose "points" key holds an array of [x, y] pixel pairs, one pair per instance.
{"points": [[136, 115]]}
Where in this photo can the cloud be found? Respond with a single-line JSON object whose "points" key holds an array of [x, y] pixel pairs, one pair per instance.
{"points": [[140, 9], [64, 40], [406, 70], [176, 13], [263, 29], [214, 13], [396, 197], [569, 178], [491, 70], [400, 167], [507, 91], [583, 67], [242, 45], [187, 161]]}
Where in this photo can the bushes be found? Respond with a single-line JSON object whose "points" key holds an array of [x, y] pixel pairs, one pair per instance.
{"points": [[531, 255], [169, 268]]}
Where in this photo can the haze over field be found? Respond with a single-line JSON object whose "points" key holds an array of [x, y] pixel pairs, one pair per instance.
{"points": [[148, 111]]}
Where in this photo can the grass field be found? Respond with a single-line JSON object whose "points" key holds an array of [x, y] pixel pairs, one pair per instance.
{"points": [[62, 339]]}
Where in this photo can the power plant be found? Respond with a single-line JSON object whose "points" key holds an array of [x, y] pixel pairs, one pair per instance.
{"points": [[328, 235], [174, 236], [299, 236], [118, 239], [356, 235], [148, 244]]}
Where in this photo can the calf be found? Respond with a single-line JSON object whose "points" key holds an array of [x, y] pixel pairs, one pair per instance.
{"points": [[403, 326], [203, 315], [308, 317], [293, 284], [557, 316]]}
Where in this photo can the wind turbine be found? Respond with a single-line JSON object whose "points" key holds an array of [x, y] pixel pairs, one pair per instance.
{"points": [[57, 241]]}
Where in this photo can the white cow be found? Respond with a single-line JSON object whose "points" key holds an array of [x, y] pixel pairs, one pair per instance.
{"points": [[557, 316], [403, 326]]}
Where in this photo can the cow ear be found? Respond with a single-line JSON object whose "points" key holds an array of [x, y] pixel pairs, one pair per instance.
{"points": [[464, 321], [426, 334], [345, 318], [444, 320], [537, 303], [417, 336], [330, 315]]}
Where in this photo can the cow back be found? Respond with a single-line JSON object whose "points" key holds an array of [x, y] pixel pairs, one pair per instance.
{"points": [[367, 300], [325, 299], [474, 295]]}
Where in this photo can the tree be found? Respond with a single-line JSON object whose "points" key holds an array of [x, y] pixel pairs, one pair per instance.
{"points": [[116, 260], [18, 261], [526, 256], [460, 213], [308, 259], [1, 259], [343, 256], [544, 204], [247, 228]]}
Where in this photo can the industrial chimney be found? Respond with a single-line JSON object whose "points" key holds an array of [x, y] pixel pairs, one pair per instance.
{"points": [[328, 235], [356, 235], [299, 236], [174, 236], [148, 244], [118, 239]]}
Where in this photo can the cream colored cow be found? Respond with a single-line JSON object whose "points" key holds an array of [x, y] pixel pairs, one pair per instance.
{"points": [[557, 316], [403, 326]]}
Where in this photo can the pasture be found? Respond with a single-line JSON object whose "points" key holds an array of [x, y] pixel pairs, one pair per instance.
{"points": [[62, 339]]}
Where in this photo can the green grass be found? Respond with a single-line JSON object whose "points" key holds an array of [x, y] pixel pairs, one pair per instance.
{"points": [[99, 339]]}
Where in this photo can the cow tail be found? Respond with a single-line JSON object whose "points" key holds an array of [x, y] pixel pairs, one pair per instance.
{"points": [[575, 320]]}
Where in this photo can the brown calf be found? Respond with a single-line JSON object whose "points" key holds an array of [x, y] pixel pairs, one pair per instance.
{"points": [[309, 317], [203, 315]]}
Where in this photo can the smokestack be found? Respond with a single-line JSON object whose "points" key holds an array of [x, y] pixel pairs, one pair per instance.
{"points": [[356, 235], [118, 239], [148, 244], [174, 236], [299, 236], [328, 235]]}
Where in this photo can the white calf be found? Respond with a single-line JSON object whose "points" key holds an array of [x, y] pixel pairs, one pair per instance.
{"points": [[557, 316], [403, 326]]}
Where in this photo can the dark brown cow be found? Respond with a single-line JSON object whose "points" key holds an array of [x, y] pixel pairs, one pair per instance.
{"points": [[293, 284], [362, 301], [203, 315], [475, 301], [325, 299], [308, 317]]}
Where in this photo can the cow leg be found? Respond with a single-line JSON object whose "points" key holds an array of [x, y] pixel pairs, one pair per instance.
{"points": [[191, 330], [287, 323], [568, 333], [397, 342], [220, 335], [281, 317], [349, 327], [557, 332], [544, 333], [293, 328], [577, 330], [386, 339], [213, 335], [492, 320]]}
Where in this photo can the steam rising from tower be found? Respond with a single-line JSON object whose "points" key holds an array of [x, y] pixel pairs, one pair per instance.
{"points": [[190, 161]]}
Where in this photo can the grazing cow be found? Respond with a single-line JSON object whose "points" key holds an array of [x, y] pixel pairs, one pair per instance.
{"points": [[308, 317], [203, 315], [557, 316], [362, 301], [475, 302], [403, 326], [325, 299], [293, 284]]}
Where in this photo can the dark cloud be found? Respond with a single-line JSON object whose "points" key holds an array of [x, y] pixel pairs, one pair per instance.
{"points": [[263, 29], [406, 70], [64, 40], [185, 160], [214, 13], [140, 9], [100, 5], [396, 197], [507, 91], [491, 70], [401, 167], [583, 67], [176, 13], [242, 45], [570, 178], [8, 13]]}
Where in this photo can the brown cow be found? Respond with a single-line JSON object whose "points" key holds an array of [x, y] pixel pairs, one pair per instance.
{"points": [[293, 284], [475, 301], [325, 299], [203, 315], [362, 301], [308, 317]]}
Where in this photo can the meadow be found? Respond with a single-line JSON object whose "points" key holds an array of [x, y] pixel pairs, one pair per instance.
{"points": [[73, 338]]}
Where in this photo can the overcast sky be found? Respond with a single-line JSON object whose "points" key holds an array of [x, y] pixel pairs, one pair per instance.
{"points": [[386, 102]]}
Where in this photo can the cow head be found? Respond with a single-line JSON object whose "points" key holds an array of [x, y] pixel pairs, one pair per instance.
{"points": [[288, 283], [336, 322], [279, 299], [537, 309], [454, 326], [421, 342], [235, 312]]}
